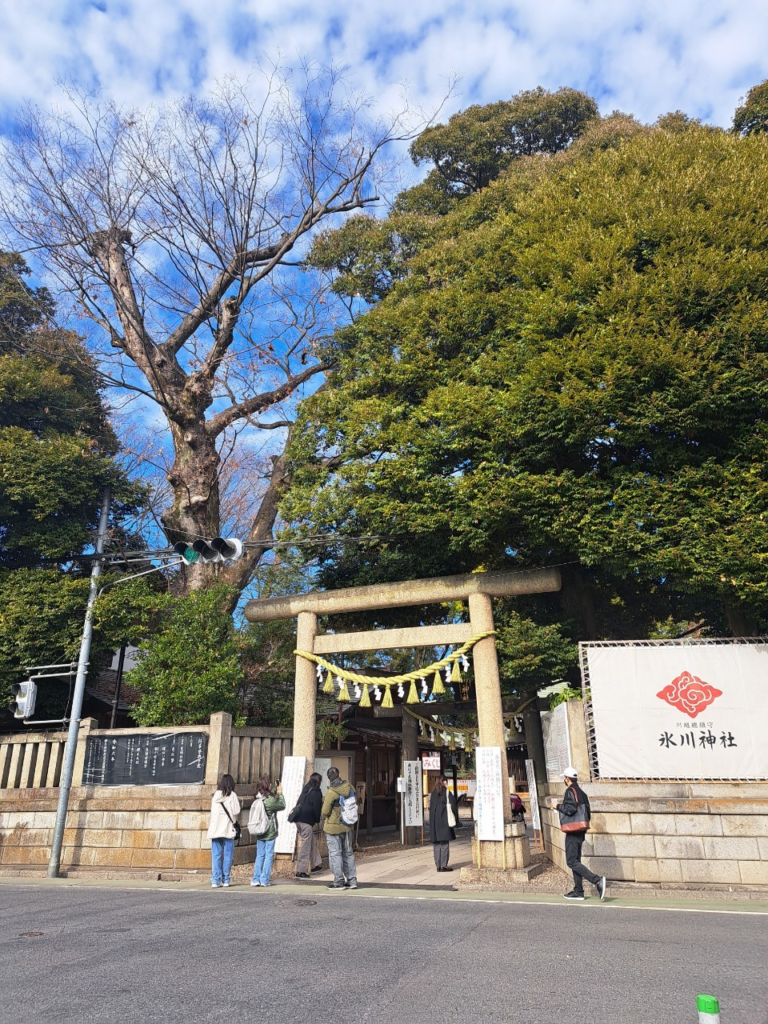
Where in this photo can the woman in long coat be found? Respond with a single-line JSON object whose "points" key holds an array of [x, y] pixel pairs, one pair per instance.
{"points": [[443, 818]]}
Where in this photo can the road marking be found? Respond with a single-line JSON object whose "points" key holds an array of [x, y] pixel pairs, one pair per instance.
{"points": [[241, 889]]}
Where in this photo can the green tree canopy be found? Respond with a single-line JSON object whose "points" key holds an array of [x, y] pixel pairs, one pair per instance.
{"points": [[57, 454], [189, 668], [751, 118], [571, 369], [477, 144]]}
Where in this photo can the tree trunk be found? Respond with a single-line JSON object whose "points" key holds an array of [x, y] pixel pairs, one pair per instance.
{"points": [[194, 477]]}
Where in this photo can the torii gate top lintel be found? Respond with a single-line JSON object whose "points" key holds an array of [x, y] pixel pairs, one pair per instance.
{"points": [[409, 592]]}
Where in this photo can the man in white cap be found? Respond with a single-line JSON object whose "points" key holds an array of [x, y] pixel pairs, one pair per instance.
{"points": [[574, 821]]}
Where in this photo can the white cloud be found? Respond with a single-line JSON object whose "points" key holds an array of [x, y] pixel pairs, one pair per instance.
{"points": [[697, 55]]}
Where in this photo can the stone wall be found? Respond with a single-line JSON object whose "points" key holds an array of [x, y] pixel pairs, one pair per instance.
{"points": [[675, 833], [152, 831]]}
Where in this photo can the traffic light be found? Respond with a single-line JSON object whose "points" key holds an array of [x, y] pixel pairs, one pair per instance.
{"points": [[24, 697], [220, 549], [186, 552]]}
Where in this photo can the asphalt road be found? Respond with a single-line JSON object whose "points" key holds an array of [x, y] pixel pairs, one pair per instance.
{"points": [[344, 958]]}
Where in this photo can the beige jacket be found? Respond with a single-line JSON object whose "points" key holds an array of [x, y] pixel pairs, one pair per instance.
{"points": [[221, 827]]}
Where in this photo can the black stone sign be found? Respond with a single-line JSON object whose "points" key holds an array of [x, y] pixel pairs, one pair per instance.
{"points": [[145, 759]]}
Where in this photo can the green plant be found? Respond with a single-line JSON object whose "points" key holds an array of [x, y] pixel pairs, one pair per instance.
{"points": [[329, 733], [569, 693]]}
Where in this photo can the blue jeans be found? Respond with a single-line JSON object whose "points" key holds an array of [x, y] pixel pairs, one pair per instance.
{"points": [[265, 854], [222, 853]]}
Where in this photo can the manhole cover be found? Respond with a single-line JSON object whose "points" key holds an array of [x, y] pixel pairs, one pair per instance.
{"points": [[305, 903], [30, 935]]}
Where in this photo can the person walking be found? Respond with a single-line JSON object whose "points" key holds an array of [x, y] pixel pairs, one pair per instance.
{"points": [[225, 808], [443, 819], [309, 807], [575, 814], [341, 857], [268, 800]]}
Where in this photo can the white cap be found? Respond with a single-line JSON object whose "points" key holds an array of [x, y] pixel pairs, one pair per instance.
{"points": [[570, 773]]}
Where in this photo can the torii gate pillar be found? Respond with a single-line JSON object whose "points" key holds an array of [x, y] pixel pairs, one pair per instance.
{"points": [[305, 702]]}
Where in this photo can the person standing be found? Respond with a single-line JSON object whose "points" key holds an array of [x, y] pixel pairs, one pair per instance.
{"points": [[575, 814], [341, 857], [272, 799], [443, 819], [309, 808], [225, 808]]}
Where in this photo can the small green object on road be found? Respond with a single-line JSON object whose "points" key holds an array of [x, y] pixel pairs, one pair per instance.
{"points": [[709, 1009]]}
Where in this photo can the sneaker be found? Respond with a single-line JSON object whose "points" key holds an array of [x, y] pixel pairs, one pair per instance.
{"points": [[574, 896], [447, 869], [215, 885], [601, 887], [254, 882], [301, 874], [336, 885], [225, 885], [351, 885], [319, 868]]}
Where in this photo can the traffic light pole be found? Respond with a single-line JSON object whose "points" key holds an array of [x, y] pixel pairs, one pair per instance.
{"points": [[77, 698]]}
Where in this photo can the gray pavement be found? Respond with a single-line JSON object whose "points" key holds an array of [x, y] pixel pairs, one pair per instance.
{"points": [[112, 952]]}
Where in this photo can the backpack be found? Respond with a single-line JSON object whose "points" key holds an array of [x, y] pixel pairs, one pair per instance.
{"points": [[348, 808], [258, 819]]}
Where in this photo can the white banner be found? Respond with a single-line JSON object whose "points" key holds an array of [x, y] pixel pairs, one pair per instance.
{"points": [[530, 772], [557, 742], [693, 711], [489, 807], [292, 782], [413, 802]]}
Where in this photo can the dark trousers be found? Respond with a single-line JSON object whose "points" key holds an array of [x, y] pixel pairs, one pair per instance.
{"points": [[441, 852], [573, 844]]}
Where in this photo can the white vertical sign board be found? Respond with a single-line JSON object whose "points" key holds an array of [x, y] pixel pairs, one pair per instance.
{"points": [[413, 803], [293, 782], [489, 808], [686, 711], [530, 771], [322, 764], [557, 742]]}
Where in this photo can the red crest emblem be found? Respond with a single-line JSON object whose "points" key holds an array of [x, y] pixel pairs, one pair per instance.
{"points": [[689, 694]]}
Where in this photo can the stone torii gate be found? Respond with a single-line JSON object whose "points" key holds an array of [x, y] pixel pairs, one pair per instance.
{"points": [[477, 589]]}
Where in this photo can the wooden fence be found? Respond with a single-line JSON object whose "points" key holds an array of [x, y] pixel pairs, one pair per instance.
{"points": [[31, 760], [34, 760], [256, 751]]}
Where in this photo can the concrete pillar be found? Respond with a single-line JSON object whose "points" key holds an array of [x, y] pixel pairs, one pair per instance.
{"points": [[410, 753], [490, 715], [305, 693], [534, 741], [219, 744], [87, 725], [512, 853], [577, 734]]}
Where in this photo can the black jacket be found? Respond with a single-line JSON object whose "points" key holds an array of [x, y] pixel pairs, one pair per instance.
{"points": [[439, 832], [569, 804], [311, 801]]}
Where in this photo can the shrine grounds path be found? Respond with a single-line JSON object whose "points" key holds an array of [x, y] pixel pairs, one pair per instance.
{"points": [[148, 952]]}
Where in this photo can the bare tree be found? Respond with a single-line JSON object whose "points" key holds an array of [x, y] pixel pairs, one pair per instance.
{"points": [[178, 234]]}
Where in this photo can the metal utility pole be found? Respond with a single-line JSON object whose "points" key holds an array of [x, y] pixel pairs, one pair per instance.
{"points": [[77, 697]]}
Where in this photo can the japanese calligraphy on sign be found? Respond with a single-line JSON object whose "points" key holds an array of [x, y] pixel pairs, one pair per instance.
{"points": [[530, 772], [413, 801], [292, 781], [489, 799], [697, 711], [557, 742], [145, 759]]}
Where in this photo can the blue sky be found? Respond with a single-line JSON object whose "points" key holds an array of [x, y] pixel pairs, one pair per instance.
{"points": [[645, 58]]}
